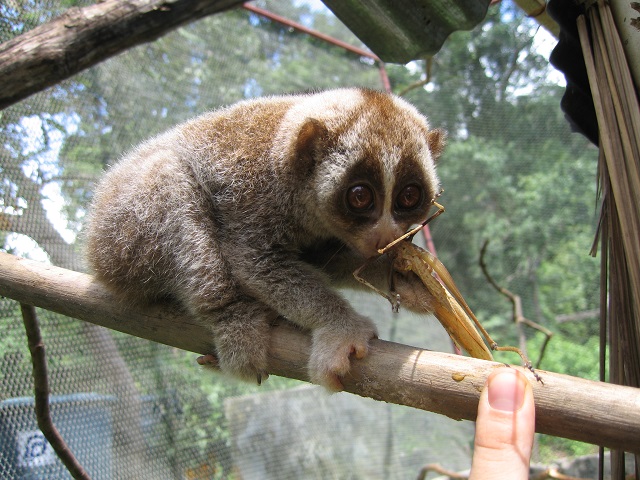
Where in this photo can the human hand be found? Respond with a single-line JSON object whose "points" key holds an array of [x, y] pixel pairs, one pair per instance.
{"points": [[504, 428]]}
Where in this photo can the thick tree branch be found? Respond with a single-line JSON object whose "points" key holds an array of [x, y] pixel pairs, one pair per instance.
{"points": [[83, 37], [41, 394], [448, 384]]}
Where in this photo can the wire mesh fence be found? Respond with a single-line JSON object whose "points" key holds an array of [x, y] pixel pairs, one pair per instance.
{"points": [[134, 409]]}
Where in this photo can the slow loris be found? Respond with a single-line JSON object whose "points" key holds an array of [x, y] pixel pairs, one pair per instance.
{"points": [[258, 210]]}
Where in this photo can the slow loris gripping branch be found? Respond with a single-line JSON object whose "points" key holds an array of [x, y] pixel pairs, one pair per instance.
{"points": [[258, 210]]}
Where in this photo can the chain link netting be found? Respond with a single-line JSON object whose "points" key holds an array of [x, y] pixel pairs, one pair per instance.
{"points": [[130, 408]]}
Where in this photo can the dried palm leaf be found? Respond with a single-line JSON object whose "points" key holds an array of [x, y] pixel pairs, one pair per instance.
{"points": [[618, 114]]}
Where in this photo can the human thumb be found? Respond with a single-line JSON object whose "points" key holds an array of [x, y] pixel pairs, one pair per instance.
{"points": [[504, 428]]}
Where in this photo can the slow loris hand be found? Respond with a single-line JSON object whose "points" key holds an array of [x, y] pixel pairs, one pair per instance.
{"points": [[333, 347]]}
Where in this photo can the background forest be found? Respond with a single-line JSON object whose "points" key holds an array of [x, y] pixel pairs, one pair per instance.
{"points": [[513, 174]]}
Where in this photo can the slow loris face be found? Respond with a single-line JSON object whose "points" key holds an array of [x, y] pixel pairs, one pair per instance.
{"points": [[378, 176]]}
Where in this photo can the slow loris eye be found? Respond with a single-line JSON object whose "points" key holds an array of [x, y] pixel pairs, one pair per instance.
{"points": [[360, 198], [409, 197]]}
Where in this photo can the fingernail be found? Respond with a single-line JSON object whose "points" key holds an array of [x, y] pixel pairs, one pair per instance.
{"points": [[506, 390]]}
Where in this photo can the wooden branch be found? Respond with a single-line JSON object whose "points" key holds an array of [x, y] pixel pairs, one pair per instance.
{"points": [[448, 384], [553, 473], [41, 395], [434, 467], [83, 37]]}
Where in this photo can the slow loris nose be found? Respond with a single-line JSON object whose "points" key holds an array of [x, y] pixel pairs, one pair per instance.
{"points": [[384, 241], [386, 233]]}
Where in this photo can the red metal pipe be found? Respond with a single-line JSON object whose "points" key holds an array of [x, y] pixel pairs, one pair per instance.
{"points": [[429, 240], [326, 38], [290, 23], [384, 77]]}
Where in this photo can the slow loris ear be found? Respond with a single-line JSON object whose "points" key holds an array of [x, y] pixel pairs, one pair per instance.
{"points": [[312, 138], [437, 140]]}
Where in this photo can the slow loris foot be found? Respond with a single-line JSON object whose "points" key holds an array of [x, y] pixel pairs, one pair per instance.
{"points": [[241, 339], [211, 361]]}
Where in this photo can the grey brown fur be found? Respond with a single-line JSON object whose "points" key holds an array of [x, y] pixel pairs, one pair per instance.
{"points": [[250, 213]]}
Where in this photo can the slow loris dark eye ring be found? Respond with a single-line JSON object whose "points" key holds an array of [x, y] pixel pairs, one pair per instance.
{"points": [[360, 198], [409, 197]]}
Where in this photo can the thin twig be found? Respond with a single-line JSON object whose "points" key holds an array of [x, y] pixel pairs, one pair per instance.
{"points": [[518, 315], [553, 473], [41, 394], [428, 63], [437, 468]]}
